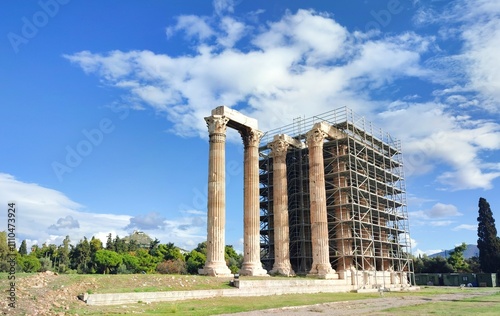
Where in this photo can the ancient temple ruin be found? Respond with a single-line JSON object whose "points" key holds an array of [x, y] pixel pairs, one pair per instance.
{"points": [[327, 194], [215, 265]]}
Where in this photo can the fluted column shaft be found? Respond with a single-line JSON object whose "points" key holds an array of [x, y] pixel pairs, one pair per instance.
{"points": [[251, 213], [215, 264], [344, 234], [280, 210], [319, 224]]}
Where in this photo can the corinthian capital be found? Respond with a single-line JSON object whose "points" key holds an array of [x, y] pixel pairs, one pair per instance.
{"points": [[278, 148], [315, 137], [216, 124], [251, 137]]}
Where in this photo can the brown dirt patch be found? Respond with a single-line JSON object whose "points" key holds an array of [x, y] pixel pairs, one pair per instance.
{"points": [[41, 294]]}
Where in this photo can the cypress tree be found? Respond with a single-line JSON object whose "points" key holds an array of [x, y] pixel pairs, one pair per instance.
{"points": [[23, 250], [488, 242]]}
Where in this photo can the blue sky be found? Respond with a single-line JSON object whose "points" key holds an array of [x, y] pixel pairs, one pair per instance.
{"points": [[103, 102]]}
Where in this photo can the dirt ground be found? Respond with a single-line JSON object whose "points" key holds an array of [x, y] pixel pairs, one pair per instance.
{"points": [[40, 295], [362, 307]]}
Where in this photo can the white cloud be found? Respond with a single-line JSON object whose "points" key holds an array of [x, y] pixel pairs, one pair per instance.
{"points": [[193, 26], [223, 6], [443, 210], [477, 25], [275, 79], [38, 207], [233, 30], [465, 227], [66, 222], [441, 223], [317, 38], [152, 220], [481, 34], [306, 63], [433, 135], [434, 215], [419, 252]]}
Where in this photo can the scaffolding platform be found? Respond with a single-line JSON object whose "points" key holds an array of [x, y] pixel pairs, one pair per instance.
{"points": [[365, 196]]}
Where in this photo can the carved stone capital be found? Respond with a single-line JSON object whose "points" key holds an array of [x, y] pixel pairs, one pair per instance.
{"points": [[315, 137], [279, 148], [216, 124], [251, 137]]}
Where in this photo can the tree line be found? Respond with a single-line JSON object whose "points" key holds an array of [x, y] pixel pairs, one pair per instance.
{"points": [[121, 256], [454, 263], [115, 257]]}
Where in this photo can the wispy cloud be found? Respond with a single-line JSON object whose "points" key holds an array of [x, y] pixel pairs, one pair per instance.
{"points": [[465, 227]]}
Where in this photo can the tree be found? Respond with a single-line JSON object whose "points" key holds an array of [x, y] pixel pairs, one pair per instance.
{"points": [[168, 252], [29, 263], [109, 243], [132, 245], [131, 263], [418, 263], [80, 256], [456, 259], [23, 249], [202, 248], [153, 245], [107, 260], [45, 264], [195, 260], [95, 245], [233, 259], [4, 247], [47, 251], [62, 256], [147, 263], [36, 250], [4, 251], [488, 242], [120, 245], [436, 265], [474, 265], [175, 266]]}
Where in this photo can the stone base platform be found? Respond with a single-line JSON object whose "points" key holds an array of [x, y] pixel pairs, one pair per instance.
{"points": [[243, 288]]}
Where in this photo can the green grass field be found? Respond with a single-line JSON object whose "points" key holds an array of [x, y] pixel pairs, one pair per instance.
{"points": [[224, 305]]}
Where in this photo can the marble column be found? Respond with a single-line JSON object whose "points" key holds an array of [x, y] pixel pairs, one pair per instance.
{"points": [[215, 264], [386, 264], [344, 240], [343, 231], [321, 266], [251, 249], [282, 264]]}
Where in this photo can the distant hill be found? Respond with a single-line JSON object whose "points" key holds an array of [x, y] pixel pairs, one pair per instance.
{"points": [[471, 251], [141, 239]]}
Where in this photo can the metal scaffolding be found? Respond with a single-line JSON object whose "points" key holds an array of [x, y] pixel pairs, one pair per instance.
{"points": [[365, 196]]}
